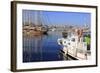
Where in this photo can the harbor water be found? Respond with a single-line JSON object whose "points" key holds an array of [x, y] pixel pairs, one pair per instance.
{"points": [[42, 48]]}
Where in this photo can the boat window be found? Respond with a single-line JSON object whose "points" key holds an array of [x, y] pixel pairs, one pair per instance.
{"points": [[73, 39], [64, 41], [60, 41], [68, 43]]}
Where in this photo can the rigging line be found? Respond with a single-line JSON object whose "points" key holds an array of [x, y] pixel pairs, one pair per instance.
{"points": [[31, 17], [43, 19], [26, 18], [48, 19], [40, 13], [34, 17], [40, 19]]}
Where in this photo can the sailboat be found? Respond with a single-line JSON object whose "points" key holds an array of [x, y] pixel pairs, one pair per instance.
{"points": [[37, 28]]}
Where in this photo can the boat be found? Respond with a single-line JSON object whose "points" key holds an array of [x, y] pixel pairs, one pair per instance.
{"points": [[35, 30], [34, 25], [74, 45]]}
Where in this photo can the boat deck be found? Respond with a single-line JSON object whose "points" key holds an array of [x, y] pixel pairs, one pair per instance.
{"points": [[79, 56]]}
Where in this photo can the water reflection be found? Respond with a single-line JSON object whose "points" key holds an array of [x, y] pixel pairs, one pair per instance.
{"points": [[42, 48]]}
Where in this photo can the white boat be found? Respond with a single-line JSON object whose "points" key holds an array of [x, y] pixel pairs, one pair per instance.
{"points": [[74, 46]]}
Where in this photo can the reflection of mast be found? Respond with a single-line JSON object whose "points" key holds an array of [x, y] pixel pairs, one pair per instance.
{"points": [[41, 49], [38, 46], [28, 49], [35, 45]]}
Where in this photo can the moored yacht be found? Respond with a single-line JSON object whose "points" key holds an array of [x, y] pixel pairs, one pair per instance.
{"points": [[74, 45]]}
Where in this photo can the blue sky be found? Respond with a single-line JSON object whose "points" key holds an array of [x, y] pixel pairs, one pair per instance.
{"points": [[59, 18]]}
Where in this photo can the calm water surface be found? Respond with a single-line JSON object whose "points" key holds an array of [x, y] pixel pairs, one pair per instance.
{"points": [[42, 48]]}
